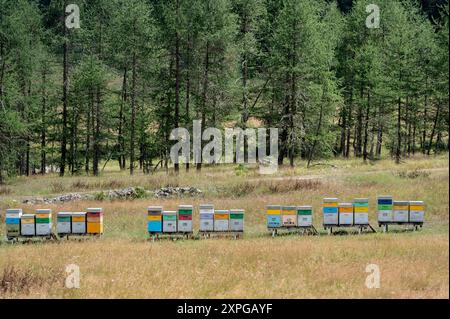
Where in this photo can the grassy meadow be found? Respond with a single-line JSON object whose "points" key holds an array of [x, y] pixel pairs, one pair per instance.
{"points": [[124, 264]]}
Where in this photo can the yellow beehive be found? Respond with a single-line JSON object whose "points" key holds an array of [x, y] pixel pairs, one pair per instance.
{"points": [[361, 209], [416, 211], [78, 219], [94, 219], [274, 210], [154, 218], [95, 228], [221, 216]]}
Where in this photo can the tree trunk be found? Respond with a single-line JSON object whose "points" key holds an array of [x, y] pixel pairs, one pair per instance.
{"points": [[88, 131], [204, 93], [133, 114], [62, 165], [399, 133], [319, 127], [2, 72], [433, 131], [96, 124], [408, 122], [343, 130], [27, 156], [121, 140], [366, 128], [424, 123], [176, 165], [44, 124], [73, 142], [349, 121], [188, 91]]}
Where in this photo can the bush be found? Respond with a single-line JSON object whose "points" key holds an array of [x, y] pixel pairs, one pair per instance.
{"points": [[140, 193], [240, 170], [100, 196], [413, 174]]}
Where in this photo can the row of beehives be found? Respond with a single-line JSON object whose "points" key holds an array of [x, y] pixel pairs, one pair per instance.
{"points": [[180, 221], [337, 213], [40, 224], [211, 220]]}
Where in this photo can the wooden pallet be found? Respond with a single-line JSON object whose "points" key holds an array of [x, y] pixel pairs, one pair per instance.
{"points": [[220, 234], [170, 236], [361, 228], [27, 239], [301, 230], [385, 225]]}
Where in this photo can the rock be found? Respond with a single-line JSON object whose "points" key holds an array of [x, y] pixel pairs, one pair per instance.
{"points": [[177, 192], [119, 194]]}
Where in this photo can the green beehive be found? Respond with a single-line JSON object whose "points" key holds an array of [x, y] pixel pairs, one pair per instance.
{"points": [[237, 220]]}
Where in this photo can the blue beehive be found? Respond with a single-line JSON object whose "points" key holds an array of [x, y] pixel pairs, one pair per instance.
{"points": [[330, 211], [273, 216], [13, 217], [154, 219]]}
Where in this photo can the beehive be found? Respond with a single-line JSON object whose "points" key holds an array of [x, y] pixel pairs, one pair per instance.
{"points": [[154, 219], [64, 223], [361, 211], [330, 211], [79, 223], [185, 218], [345, 214], [289, 216], [384, 207], [13, 217], [206, 213], [416, 211], [401, 211], [94, 221], [304, 216], [169, 221], [28, 225], [237, 220], [43, 222], [273, 216], [221, 220]]}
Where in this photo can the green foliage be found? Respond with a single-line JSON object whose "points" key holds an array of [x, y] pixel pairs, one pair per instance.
{"points": [[139, 68], [100, 196]]}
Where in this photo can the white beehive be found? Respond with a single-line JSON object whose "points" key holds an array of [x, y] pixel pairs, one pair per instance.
{"points": [[416, 211], [79, 223], [384, 208], [43, 222], [401, 211], [206, 213], [304, 215], [345, 214], [169, 221], [237, 220], [221, 220], [185, 218], [361, 211], [64, 223], [28, 225]]}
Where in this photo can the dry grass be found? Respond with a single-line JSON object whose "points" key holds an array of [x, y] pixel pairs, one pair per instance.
{"points": [[213, 178], [311, 267], [124, 264]]}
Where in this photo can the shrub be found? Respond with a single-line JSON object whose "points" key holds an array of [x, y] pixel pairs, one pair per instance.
{"points": [[100, 196]]}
